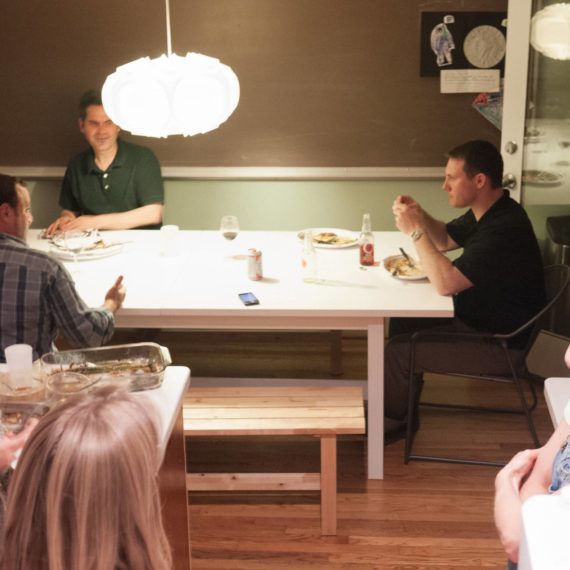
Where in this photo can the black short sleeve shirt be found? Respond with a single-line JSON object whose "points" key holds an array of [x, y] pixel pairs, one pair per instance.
{"points": [[502, 259]]}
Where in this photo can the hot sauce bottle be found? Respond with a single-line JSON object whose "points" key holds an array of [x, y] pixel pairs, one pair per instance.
{"points": [[366, 242]]}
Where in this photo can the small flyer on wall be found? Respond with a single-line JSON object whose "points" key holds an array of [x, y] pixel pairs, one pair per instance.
{"points": [[490, 105]]}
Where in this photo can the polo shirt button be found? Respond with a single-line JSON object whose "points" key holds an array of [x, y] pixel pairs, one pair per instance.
{"points": [[106, 187], [105, 175]]}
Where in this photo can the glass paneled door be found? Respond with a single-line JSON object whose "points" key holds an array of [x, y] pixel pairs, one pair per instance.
{"points": [[535, 140]]}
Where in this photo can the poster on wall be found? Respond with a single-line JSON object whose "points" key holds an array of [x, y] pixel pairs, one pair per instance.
{"points": [[468, 42]]}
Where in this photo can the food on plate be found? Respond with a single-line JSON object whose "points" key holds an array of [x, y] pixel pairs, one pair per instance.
{"points": [[329, 238], [115, 367], [400, 266], [137, 373], [99, 244]]}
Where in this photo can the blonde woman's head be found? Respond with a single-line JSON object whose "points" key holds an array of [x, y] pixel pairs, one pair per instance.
{"points": [[84, 493]]}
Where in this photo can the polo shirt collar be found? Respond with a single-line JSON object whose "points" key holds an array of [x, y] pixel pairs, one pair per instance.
{"points": [[118, 161]]}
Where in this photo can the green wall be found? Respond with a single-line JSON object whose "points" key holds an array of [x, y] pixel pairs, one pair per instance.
{"points": [[285, 204]]}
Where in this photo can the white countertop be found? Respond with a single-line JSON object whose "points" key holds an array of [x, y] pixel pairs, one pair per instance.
{"points": [[168, 399]]}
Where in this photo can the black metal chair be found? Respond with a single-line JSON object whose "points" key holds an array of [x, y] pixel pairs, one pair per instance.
{"points": [[557, 279]]}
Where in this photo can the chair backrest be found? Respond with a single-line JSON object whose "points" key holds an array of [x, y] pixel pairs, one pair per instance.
{"points": [[556, 281]]}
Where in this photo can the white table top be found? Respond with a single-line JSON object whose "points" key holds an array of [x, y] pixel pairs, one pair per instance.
{"points": [[203, 278]]}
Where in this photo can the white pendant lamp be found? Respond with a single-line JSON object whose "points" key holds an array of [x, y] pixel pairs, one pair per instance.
{"points": [[171, 95], [550, 31]]}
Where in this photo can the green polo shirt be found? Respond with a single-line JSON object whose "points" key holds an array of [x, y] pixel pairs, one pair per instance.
{"points": [[132, 180]]}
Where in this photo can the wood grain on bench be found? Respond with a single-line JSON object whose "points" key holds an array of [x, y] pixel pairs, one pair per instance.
{"points": [[324, 412]]}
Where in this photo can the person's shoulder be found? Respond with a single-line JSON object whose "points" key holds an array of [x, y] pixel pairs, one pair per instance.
{"points": [[136, 150], [32, 258], [510, 209]]}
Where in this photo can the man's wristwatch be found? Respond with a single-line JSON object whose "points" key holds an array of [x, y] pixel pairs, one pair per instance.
{"points": [[417, 234]]}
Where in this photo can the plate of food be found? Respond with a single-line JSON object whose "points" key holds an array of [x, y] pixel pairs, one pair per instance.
{"points": [[331, 238], [401, 268], [95, 247], [541, 178]]}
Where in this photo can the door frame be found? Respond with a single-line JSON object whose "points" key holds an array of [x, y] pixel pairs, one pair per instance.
{"points": [[515, 91]]}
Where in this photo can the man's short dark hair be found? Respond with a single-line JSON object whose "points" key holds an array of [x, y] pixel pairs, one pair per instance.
{"points": [[480, 157], [8, 194], [91, 97]]}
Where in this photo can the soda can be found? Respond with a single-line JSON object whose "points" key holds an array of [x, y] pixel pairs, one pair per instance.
{"points": [[254, 266]]}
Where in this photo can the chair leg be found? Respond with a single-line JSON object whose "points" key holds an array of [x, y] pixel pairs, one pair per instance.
{"points": [[412, 408], [525, 407], [413, 400]]}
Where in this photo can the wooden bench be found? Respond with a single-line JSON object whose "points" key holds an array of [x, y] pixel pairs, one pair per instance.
{"points": [[324, 412]]}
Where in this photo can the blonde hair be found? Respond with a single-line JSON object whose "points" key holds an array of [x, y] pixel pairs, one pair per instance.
{"points": [[84, 494]]}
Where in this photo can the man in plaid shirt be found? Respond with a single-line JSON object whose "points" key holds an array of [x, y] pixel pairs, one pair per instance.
{"points": [[37, 295]]}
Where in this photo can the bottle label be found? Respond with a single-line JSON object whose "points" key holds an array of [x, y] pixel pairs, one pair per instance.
{"points": [[367, 254]]}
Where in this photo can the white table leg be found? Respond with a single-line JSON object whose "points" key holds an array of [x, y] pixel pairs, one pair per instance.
{"points": [[376, 401]]}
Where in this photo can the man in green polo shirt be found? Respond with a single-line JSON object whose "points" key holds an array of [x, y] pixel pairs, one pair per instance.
{"points": [[113, 185]]}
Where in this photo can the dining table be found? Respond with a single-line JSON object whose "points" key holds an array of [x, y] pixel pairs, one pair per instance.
{"points": [[192, 280]]}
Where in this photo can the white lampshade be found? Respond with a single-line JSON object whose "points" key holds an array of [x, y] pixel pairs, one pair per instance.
{"points": [[171, 95], [550, 31]]}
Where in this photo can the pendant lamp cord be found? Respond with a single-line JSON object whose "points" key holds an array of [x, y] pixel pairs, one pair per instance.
{"points": [[168, 38]]}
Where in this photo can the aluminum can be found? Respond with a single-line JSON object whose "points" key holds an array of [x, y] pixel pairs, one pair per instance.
{"points": [[254, 265]]}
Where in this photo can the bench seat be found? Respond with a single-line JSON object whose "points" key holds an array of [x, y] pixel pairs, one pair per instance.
{"points": [[323, 412]]}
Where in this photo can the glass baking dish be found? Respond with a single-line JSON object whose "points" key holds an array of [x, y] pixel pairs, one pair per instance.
{"points": [[138, 366]]}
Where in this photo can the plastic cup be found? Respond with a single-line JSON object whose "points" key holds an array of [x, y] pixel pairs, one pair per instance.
{"points": [[20, 366], [169, 236]]}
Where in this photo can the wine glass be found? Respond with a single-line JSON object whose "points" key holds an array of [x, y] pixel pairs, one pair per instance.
{"points": [[229, 226], [75, 242]]}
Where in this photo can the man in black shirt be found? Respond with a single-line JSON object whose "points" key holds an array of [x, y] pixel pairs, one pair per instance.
{"points": [[496, 283]]}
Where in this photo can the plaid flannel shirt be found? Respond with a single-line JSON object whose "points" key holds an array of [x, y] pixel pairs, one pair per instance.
{"points": [[38, 299]]}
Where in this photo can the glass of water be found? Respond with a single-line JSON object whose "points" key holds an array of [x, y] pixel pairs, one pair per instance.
{"points": [[229, 226]]}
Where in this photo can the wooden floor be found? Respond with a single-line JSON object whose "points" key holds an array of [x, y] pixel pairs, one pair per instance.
{"points": [[421, 516]]}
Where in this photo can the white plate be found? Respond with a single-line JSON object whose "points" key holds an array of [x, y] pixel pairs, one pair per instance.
{"points": [[541, 178], [345, 234], [388, 267], [98, 253]]}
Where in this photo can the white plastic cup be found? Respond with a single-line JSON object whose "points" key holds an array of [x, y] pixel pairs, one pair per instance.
{"points": [[20, 364], [169, 237]]}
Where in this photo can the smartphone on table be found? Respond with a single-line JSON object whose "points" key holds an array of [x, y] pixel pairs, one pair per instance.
{"points": [[248, 299]]}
